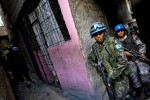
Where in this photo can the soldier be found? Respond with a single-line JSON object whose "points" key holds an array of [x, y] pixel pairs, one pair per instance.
{"points": [[18, 65], [135, 33], [4, 60], [134, 30], [111, 52], [138, 66]]}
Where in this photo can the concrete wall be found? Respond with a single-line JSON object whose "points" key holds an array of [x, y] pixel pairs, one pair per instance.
{"points": [[4, 41], [67, 58], [70, 58], [124, 12], [86, 12], [3, 31], [12, 7]]}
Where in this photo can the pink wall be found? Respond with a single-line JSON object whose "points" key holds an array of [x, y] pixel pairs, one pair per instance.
{"points": [[68, 59], [43, 67]]}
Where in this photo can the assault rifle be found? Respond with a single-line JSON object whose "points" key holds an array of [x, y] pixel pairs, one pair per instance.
{"points": [[104, 75], [137, 54]]}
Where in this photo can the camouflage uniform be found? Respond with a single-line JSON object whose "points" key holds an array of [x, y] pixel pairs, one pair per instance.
{"points": [[115, 63], [143, 67], [136, 64]]}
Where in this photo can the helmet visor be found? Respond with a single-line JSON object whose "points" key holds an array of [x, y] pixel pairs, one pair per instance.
{"points": [[98, 26], [120, 30]]}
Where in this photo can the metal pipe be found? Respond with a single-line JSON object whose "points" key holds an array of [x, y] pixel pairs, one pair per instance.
{"points": [[128, 6]]}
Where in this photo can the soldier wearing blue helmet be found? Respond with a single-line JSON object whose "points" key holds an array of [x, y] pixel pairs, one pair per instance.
{"points": [[18, 66], [138, 66], [119, 27], [134, 30], [111, 53]]}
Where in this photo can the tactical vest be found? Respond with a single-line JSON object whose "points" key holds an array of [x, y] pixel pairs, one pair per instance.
{"points": [[130, 45]]}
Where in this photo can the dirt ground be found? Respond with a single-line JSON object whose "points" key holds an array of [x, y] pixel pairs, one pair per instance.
{"points": [[38, 90]]}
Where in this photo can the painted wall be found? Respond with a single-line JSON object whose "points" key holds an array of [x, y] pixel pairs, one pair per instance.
{"points": [[46, 73], [68, 59], [84, 13]]}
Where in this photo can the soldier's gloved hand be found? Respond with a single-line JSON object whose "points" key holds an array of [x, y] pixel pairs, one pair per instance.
{"points": [[109, 81]]}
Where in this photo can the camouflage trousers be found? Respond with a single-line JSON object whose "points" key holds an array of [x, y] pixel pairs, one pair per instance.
{"points": [[144, 71], [134, 75], [121, 86]]}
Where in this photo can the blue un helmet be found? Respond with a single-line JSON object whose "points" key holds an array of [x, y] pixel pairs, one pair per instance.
{"points": [[15, 49], [96, 27], [133, 29], [10, 48], [119, 27]]}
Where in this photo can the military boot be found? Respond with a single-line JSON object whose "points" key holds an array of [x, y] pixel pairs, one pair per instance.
{"points": [[138, 93], [129, 96], [146, 90]]}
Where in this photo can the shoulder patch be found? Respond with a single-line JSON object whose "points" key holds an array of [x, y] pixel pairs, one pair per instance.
{"points": [[118, 46]]}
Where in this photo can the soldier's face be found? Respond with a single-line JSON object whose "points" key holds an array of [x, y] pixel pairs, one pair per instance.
{"points": [[120, 33], [99, 37]]}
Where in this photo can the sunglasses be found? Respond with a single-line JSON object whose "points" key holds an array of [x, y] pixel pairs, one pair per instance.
{"points": [[98, 33], [120, 30]]}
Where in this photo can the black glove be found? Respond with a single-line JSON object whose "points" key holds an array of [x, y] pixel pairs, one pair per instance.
{"points": [[109, 81]]}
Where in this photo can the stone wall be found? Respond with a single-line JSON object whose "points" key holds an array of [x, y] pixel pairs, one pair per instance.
{"points": [[11, 9]]}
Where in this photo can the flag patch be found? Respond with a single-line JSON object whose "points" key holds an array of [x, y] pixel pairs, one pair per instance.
{"points": [[118, 46]]}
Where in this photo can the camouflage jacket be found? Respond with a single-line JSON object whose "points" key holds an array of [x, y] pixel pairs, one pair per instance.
{"points": [[112, 55]]}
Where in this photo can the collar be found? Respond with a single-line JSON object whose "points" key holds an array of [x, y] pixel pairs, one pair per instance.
{"points": [[122, 39]]}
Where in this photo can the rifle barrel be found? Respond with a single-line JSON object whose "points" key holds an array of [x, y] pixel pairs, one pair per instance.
{"points": [[136, 53]]}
